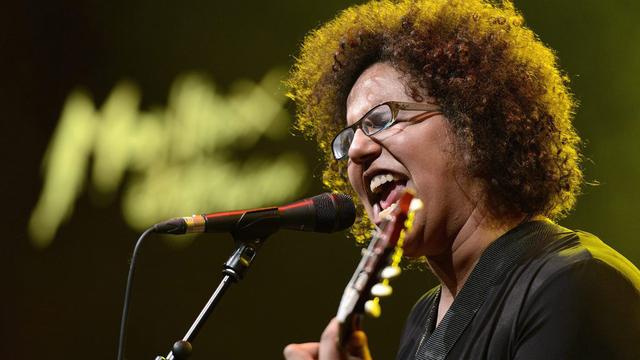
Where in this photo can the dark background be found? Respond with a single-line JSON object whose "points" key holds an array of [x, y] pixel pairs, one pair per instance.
{"points": [[64, 301]]}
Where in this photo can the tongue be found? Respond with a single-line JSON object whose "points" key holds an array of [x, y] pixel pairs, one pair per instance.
{"points": [[392, 196]]}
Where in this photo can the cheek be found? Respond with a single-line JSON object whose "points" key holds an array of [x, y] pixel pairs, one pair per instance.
{"points": [[434, 180], [355, 178], [431, 172]]}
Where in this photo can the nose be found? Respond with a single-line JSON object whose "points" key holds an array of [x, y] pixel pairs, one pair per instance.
{"points": [[363, 148]]}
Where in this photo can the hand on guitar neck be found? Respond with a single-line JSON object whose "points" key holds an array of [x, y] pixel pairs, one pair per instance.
{"points": [[329, 347]]}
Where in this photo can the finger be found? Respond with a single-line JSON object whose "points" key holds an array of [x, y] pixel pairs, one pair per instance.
{"points": [[359, 345], [306, 351], [329, 349]]}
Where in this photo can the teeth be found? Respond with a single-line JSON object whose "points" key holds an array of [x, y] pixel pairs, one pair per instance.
{"points": [[386, 213], [381, 179]]}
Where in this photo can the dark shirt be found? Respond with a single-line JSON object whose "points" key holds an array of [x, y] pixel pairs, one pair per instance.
{"points": [[540, 291]]}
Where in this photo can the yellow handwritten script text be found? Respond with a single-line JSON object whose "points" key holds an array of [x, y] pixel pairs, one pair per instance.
{"points": [[175, 161]]}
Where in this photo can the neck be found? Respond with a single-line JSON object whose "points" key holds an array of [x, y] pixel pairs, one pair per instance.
{"points": [[454, 265]]}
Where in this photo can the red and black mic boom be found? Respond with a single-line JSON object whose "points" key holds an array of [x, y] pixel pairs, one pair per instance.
{"points": [[325, 213]]}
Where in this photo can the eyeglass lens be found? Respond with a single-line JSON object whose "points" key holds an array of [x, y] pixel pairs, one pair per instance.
{"points": [[375, 120], [342, 142]]}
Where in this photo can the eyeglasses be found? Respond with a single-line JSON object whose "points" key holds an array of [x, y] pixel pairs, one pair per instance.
{"points": [[374, 121]]}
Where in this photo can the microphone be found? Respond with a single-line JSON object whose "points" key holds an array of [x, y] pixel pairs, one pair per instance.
{"points": [[324, 213]]}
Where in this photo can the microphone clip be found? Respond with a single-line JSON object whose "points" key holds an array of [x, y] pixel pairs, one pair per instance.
{"points": [[249, 239]]}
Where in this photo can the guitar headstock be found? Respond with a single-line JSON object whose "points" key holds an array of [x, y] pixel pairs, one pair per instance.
{"points": [[379, 264]]}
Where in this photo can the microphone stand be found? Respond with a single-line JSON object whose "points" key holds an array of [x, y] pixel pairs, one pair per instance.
{"points": [[248, 241]]}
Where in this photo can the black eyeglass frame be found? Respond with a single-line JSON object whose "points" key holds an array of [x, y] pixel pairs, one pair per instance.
{"points": [[395, 107]]}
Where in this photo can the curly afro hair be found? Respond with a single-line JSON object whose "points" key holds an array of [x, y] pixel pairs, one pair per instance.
{"points": [[500, 87]]}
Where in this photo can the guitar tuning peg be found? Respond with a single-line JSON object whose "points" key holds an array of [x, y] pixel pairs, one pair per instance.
{"points": [[390, 272], [415, 205], [372, 308], [381, 290]]}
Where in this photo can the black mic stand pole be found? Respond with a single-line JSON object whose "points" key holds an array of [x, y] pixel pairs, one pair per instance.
{"points": [[248, 241]]}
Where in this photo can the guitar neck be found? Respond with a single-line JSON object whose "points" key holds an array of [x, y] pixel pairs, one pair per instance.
{"points": [[379, 262]]}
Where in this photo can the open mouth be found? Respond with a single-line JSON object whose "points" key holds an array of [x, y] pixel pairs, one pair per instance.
{"points": [[385, 190]]}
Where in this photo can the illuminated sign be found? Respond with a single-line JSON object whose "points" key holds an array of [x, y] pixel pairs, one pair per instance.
{"points": [[193, 156]]}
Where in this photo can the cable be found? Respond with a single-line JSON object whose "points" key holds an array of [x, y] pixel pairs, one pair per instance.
{"points": [[127, 293]]}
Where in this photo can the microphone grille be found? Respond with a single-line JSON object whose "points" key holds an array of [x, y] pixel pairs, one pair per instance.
{"points": [[334, 212]]}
